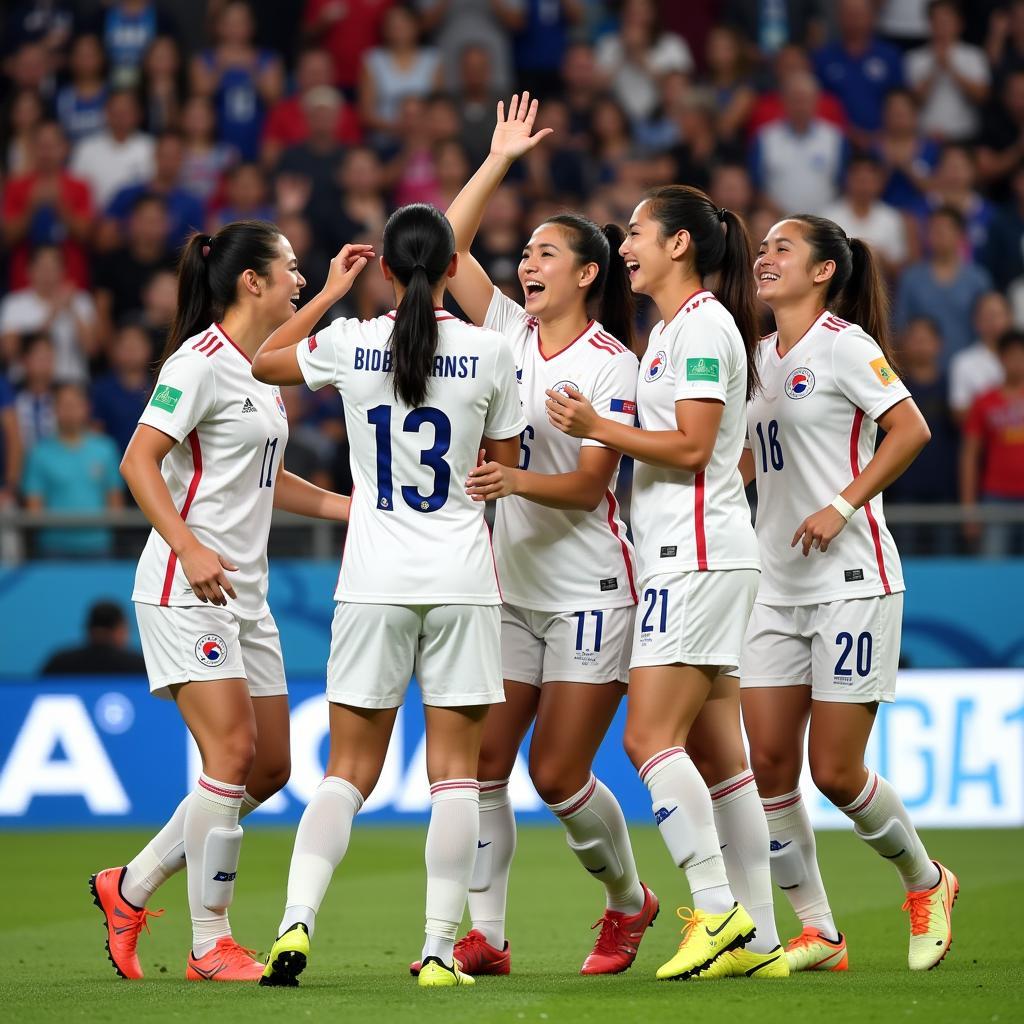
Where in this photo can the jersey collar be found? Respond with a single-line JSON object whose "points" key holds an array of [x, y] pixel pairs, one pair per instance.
{"points": [[810, 330], [227, 337], [439, 314], [690, 303]]}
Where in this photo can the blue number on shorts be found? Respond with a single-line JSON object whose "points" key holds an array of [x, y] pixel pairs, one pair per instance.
{"points": [[432, 458], [267, 469], [652, 596], [581, 618], [772, 448], [863, 654], [524, 448]]}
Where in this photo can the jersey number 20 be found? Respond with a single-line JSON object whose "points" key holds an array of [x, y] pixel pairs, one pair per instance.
{"points": [[432, 457]]}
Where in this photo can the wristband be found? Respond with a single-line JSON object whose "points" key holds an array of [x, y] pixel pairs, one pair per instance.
{"points": [[843, 507]]}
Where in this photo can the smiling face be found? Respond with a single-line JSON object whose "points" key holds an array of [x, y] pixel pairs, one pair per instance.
{"points": [[783, 270], [551, 274], [651, 258], [279, 290]]}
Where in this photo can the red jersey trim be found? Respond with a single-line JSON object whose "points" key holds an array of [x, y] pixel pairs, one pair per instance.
{"points": [[208, 344], [858, 419], [698, 522], [547, 359], [245, 355], [613, 526], [689, 298], [197, 475]]}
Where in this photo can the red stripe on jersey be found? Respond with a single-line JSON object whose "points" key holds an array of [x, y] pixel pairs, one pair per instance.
{"points": [[614, 527], [876, 536], [605, 336], [698, 522], [228, 338], [604, 346], [204, 342], [197, 475], [548, 359], [214, 349]]}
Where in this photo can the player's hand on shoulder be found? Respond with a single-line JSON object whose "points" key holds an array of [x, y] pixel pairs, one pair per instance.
{"points": [[491, 480], [819, 530], [206, 571], [571, 412]]}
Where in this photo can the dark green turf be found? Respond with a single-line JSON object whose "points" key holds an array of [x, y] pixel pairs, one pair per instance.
{"points": [[54, 967]]}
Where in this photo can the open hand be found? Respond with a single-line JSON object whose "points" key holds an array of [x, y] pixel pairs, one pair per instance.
{"points": [[512, 138]]}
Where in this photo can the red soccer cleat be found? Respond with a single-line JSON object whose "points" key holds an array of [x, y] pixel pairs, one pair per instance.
{"points": [[227, 961], [123, 920], [619, 940], [475, 955]]}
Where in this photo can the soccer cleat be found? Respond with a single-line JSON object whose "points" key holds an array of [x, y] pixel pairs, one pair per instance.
{"points": [[123, 921], [227, 961], [619, 939], [742, 963], [931, 930], [705, 938], [811, 951], [288, 958], [434, 974], [475, 955]]}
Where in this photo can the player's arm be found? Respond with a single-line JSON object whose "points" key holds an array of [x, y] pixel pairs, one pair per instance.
{"points": [[140, 467], [746, 466], [503, 451], [294, 494], [471, 287], [275, 361]]}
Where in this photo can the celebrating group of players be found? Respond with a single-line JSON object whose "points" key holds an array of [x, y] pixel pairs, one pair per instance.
{"points": [[798, 620]]}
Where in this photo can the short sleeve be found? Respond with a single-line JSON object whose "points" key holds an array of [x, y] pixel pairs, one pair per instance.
{"points": [[505, 315], [863, 375], [702, 356], [505, 413], [317, 355], [614, 396], [184, 396]]}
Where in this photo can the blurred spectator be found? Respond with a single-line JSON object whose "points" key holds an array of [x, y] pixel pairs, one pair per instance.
{"points": [[798, 162], [859, 68], [313, 260], [22, 118], [241, 80], [164, 85], [477, 102], [949, 76], [768, 26], [730, 187], [540, 34], [945, 286], [1005, 43], [1001, 143], [105, 652], [346, 29], [119, 155], [120, 395], [954, 185], [977, 368], [287, 123], [206, 160], [861, 213], [31, 68], [729, 78], [33, 403], [10, 445], [247, 196], [992, 456], [412, 169], [908, 158], [48, 23], [614, 152], [700, 147], [502, 235], [310, 450], [73, 471], [453, 170], [47, 206], [582, 85], [931, 477], [454, 24], [399, 68], [53, 304], [127, 28], [904, 22], [558, 168], [81, 104], [122, 275], [636, 57], [363, 211], [159, 304]]}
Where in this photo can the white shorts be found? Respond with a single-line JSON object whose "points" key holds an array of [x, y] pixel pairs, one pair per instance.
{"points": [[453, 650], [207, 641], [845, 651], [694, 618], [573, 647]]}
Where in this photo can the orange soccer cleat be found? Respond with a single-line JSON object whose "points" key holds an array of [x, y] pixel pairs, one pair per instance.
{"points": [[123, 921], [811, 951], [227, 961]]}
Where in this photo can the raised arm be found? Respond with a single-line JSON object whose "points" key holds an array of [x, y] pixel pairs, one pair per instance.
{"points": [[512, 137]]}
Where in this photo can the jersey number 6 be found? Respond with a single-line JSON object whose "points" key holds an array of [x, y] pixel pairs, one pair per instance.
{"points": [[433, 458]]}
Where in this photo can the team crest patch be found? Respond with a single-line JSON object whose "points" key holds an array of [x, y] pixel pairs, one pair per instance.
{"points": [[165, 397], [563, 387], [279, 402], [211, 649], [800, 383], [883, 371], [658, 366], [702, 369]]}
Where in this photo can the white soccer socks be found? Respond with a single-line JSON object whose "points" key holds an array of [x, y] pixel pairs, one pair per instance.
{"points": [[488, 887]]}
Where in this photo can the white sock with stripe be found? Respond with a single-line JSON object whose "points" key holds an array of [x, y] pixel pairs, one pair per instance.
{"points": [[321, 841], [881, 820], [682, 809], [488, 889], [743, 835], [600, 840], [450, 853], [794, 862], [212, 805]]}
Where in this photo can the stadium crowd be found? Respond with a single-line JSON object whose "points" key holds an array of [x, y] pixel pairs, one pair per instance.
{"points": [[127, 124]]}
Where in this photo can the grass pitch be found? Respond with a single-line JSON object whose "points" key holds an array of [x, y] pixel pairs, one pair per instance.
{"points": [[55, 968]]}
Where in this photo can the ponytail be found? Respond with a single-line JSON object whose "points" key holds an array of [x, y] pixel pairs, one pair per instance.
{"points": [[418, 246], [721, 246]]}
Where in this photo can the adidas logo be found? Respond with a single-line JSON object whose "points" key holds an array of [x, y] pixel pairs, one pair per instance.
{"points": [[248, 406]]}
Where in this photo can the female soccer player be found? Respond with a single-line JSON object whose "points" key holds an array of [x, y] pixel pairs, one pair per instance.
{"points": [[417, 589], [205, 466], [824, 639], [697, 552], [559, 544]]}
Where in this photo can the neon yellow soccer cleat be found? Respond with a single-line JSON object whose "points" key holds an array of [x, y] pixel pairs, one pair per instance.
{"points": [[705, 938], [434, 974], [931, 930], [742, 963], [288, 958]]}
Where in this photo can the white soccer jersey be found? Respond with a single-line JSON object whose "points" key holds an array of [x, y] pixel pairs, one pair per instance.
{"points": [[694, 521], [414, 535], [231, 432], [552, 559], [811, 430]]}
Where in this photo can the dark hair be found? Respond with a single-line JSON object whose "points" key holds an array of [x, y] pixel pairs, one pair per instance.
{"points": [[856, 292], [950, 213], [418, 246], [1010, 339], [727, 253], [591, 244], [208, 273], [105, 615]]}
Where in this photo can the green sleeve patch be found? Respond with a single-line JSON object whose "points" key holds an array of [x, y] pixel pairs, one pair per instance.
{"points": [[165, 397], [702, 369]]}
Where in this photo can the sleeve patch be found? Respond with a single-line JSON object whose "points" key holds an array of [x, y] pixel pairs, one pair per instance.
{"points": [[702, 369], [884, 372], [623, 405], [312, 343], [165, 397]]}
